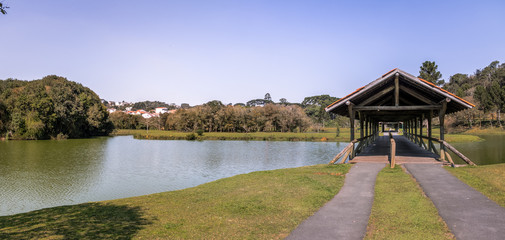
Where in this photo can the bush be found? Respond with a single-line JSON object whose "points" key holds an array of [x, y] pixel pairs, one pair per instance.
{"points": [[191, 136], [199, 132]]}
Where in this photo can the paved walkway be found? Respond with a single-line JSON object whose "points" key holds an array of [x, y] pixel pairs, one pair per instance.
{"points": [[468, 213], [346, 215]]}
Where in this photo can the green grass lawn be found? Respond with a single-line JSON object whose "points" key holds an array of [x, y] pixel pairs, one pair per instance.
{"points": [[401, 210], [487, 179], [258, 205], [326, 135], [485, 131]]}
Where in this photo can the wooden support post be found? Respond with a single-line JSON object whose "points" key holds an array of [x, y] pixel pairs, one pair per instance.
{"points": [[361, 121], [393, 152], [351, 119], [348, 154], [366, 126], [415, 130], [397, 89], [409, 128], [421, 130], [449, 158], [441, 117], [429, 130]]}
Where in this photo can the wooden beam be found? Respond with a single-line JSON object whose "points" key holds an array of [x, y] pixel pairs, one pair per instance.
{"points": [[467, 160], [398, 108], [417, 95], [377, 96], [397, 89], [385, 100], [406, 101]]}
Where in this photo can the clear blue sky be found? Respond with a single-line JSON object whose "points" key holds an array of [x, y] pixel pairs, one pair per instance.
{"points": [[234, 51]]}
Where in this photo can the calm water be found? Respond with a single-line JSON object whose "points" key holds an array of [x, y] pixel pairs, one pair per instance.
{"points": [[491, 151], [40, 174]]}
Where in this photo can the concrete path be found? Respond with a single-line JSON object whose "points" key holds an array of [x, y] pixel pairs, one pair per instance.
{"points": [[468, 213], [346, 215]]}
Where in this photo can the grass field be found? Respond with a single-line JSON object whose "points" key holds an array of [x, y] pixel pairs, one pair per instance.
{"points": [[487, 179], [485, 131], [329, 134], [258, 205], [401, 210]]}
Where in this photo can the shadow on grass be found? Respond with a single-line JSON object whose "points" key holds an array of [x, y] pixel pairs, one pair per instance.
{"points": [[83, 221]]}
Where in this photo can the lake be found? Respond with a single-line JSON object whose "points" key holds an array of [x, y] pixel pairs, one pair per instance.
{"points": [[41, 174], [490, 151]]}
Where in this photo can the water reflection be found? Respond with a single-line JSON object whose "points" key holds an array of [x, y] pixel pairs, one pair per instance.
{"points": [[36, 174], [490, 151], [39, 174]]}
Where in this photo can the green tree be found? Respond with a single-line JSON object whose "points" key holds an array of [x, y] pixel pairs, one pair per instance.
{"points": [[314, 107], [428, 71], [51, 107], [2, 8], [268, 97]]}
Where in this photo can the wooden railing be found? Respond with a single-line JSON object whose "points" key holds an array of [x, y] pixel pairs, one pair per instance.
{"points": [[351, 151], [418, 139]]}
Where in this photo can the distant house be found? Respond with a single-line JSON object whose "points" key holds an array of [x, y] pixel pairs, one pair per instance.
{"points": [[111, 110], [140, 112], [161, 110], [147, 115]]}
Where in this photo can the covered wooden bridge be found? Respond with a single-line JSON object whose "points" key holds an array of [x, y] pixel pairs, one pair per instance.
{"points": [[401, 98]]}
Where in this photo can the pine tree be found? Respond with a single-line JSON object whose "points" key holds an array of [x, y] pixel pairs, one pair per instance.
{"points": [[428, 71]]}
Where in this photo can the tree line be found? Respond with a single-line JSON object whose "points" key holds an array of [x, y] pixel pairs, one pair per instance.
{"points": [[256, 115], [485, 88], [52, 107], [216, 117]]}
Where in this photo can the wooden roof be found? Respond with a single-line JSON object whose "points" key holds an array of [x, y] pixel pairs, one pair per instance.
{"points": [[415, 96]]}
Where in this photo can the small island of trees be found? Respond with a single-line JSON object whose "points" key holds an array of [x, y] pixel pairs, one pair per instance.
{"points": [[52, 107]]}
